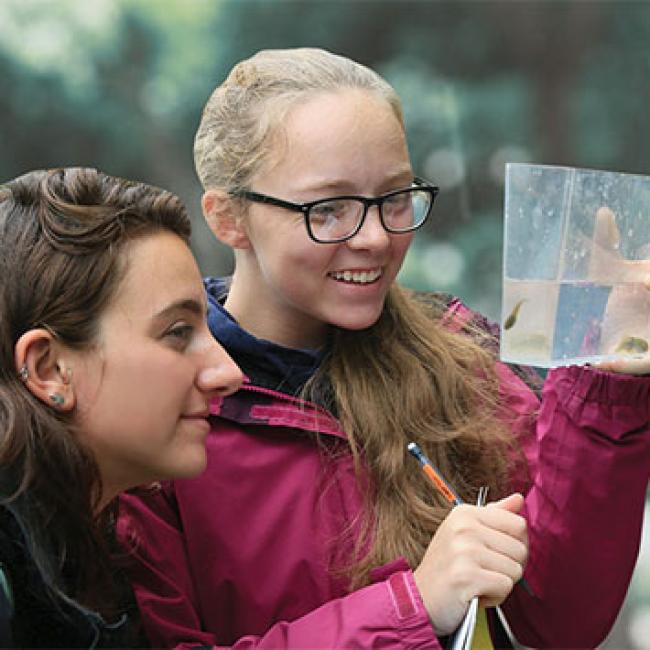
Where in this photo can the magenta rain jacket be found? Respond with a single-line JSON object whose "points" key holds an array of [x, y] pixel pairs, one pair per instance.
{"points": [[241, 556]]}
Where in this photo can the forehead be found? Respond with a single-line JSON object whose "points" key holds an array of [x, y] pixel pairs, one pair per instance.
{"points": [[335, 128], [159, 268]]}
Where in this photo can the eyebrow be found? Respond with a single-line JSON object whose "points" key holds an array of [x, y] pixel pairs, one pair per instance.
{"points": [[185, 304]]}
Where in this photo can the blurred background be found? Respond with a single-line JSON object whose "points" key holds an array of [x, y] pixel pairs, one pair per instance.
{"points": [[120, 84]]}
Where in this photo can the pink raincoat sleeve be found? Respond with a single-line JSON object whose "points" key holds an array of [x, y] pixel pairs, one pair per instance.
{"points": [[589, 460], [389, 613]]}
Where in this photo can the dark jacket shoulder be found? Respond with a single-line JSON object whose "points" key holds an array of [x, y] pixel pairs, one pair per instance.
{"points": [[33, 614]]}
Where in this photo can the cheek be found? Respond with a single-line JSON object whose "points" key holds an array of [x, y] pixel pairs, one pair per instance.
{"points": [[316, 259], [174, 380], [284, 240], [89, 391], [162, 378], [297, 262], [400, 247]]}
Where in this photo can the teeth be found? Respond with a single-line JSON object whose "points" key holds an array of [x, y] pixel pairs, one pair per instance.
{"points": [[362, 277]]}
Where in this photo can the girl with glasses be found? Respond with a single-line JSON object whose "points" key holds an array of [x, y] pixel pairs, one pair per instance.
{"points": [[312, 526], [106, 372]]}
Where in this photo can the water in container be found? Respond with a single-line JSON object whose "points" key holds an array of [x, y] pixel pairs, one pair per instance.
{"points": [[576, 272]]}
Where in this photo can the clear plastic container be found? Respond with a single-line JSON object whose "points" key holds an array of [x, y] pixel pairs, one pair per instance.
{"points": [[576, 272]]}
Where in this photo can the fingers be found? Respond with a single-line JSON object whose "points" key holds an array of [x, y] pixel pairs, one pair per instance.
{"points": [[512, 503], [491, 540], [497, 588], [504, 516], [624, 326], [494, 526], [493, 578], [607, 264], [496, 540], [606, 233], [512, 547], [477, 551], [637, 365], [505, 556], [605, 257], [487, 562]]}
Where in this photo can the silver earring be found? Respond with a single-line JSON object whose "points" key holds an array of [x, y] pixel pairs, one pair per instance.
{"points": [[23, 373], [57, 399]]}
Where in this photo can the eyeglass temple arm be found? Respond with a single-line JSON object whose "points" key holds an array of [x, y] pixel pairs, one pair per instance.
{"points": [[270, 200]]}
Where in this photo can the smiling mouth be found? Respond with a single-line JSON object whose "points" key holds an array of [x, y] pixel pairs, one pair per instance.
{"points": [[356, 277]]}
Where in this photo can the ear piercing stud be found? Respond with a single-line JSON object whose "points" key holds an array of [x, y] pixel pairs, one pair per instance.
{"points": [[57, 399]]}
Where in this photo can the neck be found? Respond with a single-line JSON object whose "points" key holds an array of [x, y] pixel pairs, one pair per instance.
{"points": [[273, 321]]}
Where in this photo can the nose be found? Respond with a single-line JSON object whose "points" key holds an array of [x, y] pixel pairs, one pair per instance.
{"points": [[372, 234], [220, 375]]}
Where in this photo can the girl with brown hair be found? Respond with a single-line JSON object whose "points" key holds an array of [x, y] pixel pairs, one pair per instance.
{"points": [[312, 527], [106, 371]]}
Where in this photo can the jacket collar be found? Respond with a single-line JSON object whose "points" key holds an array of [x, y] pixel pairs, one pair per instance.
{"points": [[256, 405]]}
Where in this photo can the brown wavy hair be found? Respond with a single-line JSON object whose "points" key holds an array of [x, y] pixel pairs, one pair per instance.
{"points": [[410, 378], [406, 378], [63, 237]]}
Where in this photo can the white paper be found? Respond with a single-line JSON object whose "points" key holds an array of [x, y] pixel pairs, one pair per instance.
{"points": [[462, 638]]}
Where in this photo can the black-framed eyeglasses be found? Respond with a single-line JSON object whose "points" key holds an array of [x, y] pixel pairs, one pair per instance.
{"points": [[339, 218]]}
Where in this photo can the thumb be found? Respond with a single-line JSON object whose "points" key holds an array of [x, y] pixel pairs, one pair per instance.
{"points": [[512, 503], [604, 248], [606, 234]]}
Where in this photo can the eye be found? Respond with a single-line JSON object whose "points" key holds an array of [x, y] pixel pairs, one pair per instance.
{"points": [[329, 210], [179, 334], [399, 201]]}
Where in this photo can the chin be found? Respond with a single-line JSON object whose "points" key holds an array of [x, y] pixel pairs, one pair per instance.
{"points": [[357, 323], [191, 467]]}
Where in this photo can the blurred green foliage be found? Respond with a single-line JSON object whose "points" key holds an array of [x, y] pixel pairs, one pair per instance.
{"points": [[119, 84]]}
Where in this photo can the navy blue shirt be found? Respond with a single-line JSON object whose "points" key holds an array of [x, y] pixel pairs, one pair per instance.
{"points": [[265, 363]]}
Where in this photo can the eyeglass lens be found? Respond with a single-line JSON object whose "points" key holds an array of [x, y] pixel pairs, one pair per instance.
{"points": [[338, 218]]}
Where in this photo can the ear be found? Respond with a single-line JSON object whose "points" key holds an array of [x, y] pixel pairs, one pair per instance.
{"points": [[40, 361], [222, 215]]}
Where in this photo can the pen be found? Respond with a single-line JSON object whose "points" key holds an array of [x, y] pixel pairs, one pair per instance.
{"points": [[445, 489], [434, 475]]}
